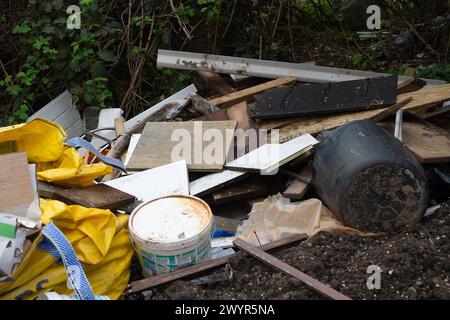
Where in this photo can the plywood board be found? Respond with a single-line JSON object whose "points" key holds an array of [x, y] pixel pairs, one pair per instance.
{"points": [[164, 142], [154, 183], [422, 100], [214, 181], [97, 196], [270, 156], [16, 186], [428, 142]]}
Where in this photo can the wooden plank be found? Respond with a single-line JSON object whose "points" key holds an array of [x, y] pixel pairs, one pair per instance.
{"points": [[119, 124], [239, 96], [148, 283], [214, 181], [428, 142], [16, 186], [245, 190], [159, 139], [297, 188], [326, 98], [97, 196], [390, 110], [154, 183], [270, 157], [314, 284], [422, 100], [48, 190]]}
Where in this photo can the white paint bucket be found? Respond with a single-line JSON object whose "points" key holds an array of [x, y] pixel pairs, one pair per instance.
{"points": [[171, 232]]}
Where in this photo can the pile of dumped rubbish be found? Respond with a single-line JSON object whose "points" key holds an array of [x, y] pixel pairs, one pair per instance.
{"points": [[259, 156]]}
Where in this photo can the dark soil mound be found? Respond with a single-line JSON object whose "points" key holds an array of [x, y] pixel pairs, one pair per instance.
{"points": [[414, 265]]}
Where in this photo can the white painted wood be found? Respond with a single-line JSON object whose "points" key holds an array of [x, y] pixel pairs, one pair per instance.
{"points": [[263, 68], [154, 183], [269, 157], [213, 181]]}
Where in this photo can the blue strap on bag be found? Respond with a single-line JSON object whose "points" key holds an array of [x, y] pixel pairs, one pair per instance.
{"points": [[77, 142], [59, 247]]}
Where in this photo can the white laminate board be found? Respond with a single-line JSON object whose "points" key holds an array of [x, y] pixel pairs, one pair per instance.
{"points": [[213, 181], [270, 156], [154, 183]]}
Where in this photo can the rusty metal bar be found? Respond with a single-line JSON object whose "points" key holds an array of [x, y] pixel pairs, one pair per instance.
{"points": [[314, 284]]}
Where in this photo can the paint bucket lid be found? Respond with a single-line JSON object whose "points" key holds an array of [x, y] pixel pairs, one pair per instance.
{"points": [[171, 219]]}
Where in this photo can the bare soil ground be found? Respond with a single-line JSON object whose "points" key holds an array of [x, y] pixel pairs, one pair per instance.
{"points": [[414, 265]]}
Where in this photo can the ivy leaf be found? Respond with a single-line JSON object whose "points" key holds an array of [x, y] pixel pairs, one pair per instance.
{"points": [[107, 55]]}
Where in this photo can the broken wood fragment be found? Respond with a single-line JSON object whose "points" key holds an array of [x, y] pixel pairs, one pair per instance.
{"points": [[314, 284], [98, 196], [240, 191], [298, 187]]}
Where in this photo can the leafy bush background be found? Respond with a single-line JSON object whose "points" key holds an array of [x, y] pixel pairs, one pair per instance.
{"points": [[111, 60]]}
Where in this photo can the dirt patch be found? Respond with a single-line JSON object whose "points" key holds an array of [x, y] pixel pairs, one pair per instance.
{"points": [[414, 265]]}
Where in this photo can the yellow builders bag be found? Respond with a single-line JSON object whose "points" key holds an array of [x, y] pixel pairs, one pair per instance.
{"points": [[43, 141], [100, 241]]}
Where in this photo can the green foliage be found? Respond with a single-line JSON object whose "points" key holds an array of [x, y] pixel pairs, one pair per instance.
{"points": [[56, 57], [441, 72]]}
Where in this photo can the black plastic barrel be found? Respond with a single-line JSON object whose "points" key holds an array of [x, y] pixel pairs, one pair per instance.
{"points": [[369, 179]]}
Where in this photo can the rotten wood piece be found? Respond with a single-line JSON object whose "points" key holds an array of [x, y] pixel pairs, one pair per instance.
{"points": [[97, 196], [148, 283], [325, 98], [422, 100], [312, 283], [239, 96]]}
